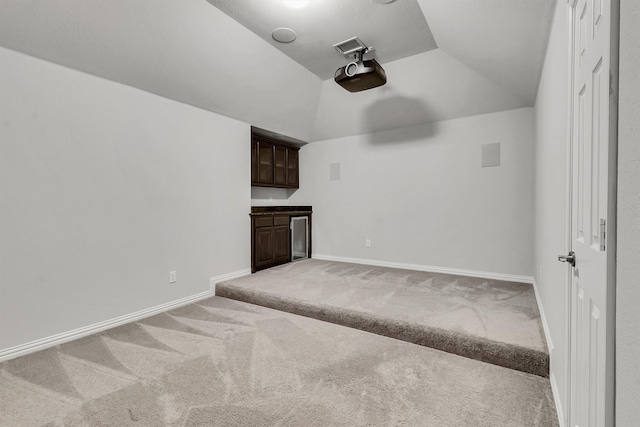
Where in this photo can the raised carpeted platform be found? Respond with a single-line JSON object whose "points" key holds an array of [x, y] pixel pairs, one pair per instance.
{"points": [[491, 321]]}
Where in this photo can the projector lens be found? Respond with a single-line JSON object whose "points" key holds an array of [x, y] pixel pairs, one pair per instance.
{"points": [[351, 69]]}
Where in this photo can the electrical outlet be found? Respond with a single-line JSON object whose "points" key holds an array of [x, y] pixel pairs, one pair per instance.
{"points": [[367, 243], [173, 278]]}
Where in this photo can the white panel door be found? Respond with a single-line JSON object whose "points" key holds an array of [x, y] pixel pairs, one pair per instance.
{"points": [[593, 149]]}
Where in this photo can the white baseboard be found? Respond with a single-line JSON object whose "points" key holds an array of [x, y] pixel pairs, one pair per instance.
{"points": [[225, 277], [543, 318], [556, 399], [552, 377], [53, 340], [429, 268]]}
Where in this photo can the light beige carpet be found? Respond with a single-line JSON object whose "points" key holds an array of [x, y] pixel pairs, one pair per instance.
{"points": [[226, 363], [489, 320]]}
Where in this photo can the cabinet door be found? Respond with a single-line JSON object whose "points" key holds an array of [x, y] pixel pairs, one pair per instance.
{"points": [[263, 246], [281, 243], [280, 165], [292, 168], [265, 163], [254, 161]]}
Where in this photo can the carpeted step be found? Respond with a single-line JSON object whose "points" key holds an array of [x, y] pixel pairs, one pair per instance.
{"points": [[474, 347]]}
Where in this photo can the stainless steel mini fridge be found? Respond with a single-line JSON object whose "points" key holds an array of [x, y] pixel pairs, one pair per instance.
{"points": [[299, 237]]}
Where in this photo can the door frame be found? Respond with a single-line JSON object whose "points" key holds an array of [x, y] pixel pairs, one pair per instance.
{"points": [[570, 6], [612, 205]]}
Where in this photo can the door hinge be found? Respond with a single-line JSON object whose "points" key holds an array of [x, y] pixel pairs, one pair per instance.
{"points": [[603, 233]]}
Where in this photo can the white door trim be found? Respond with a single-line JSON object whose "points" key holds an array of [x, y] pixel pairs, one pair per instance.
{"points": [[568, 210]]}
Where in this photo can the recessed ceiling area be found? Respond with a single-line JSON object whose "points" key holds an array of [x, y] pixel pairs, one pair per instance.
{"points": [[396, 30]]}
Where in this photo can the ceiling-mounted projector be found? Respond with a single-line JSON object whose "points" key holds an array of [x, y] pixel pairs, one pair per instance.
{"points": [[360, 74]]}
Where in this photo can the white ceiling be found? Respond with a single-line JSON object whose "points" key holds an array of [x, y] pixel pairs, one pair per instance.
{"points": [[489, 56], [504, 40], [396, 30]]}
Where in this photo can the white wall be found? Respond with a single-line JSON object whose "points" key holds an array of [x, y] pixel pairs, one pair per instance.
{"points": [[628, 236], [104, 189], [185, 50], [267, 196], [551, 194], [424, 88], [421, 196]]}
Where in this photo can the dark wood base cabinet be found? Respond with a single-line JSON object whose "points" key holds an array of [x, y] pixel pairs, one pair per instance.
{"points": [[271, 234], [271, 240]]}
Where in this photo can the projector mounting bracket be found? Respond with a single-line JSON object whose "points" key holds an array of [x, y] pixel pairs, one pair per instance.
{"points": [[353, 46], [358, 54]]}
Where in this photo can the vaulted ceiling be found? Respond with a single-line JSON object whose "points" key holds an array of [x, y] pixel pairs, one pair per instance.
{"points": [[444, 59]]}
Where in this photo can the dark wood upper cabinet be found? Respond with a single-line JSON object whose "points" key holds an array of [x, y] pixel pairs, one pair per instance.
{"points": [[265, 162], [292, 168], [273, 163], [280, 165], [254, 163]]}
